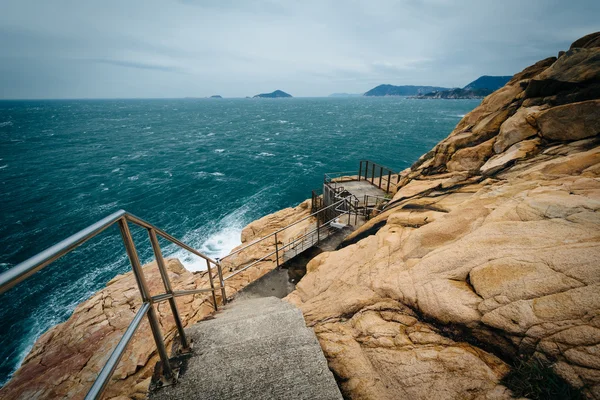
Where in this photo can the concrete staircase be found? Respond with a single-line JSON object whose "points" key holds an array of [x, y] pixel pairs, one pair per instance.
{"points": [[253, 349]]}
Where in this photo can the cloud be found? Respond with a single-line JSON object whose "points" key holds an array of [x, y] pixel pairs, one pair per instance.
{"points": [[135, 64], [153, 48]]}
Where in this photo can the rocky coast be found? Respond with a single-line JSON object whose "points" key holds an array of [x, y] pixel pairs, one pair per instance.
{"points": [[486, 256]]}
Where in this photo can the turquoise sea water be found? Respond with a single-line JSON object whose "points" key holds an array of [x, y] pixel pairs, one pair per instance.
{"points": [[199, 169]]}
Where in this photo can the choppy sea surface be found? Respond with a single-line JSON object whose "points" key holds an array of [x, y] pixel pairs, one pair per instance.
{"points": [[200, 169]]}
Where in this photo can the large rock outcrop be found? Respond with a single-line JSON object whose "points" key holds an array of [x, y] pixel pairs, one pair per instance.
{"points": [[488, 253], [65, 361]]}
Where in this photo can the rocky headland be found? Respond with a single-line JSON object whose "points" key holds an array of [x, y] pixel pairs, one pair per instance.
{"points": [[486, 258], [478, 89], [456, 94], [405, 90]]}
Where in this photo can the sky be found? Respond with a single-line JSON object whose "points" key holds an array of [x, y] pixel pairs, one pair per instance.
{"points": [[198, 48]]}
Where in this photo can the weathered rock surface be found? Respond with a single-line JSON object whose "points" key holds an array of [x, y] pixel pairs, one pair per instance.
{"points": [[65, 361], [488, 252]]}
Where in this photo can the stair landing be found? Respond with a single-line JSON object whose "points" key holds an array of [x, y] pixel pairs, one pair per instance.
{"points": [[253, 349]]}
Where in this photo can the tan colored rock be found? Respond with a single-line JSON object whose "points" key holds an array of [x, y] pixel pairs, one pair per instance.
{"points": [[471, 158], [572, 121], [515, 129], [509, 260], [417, 186], [516, 152], [577, 65], [588, 41], [532, 71]]}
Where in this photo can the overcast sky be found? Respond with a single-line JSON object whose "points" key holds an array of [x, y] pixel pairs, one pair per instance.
{"points": [[151, 48]]}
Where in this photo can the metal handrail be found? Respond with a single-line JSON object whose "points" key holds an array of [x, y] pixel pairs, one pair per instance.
{"points": [[25, 269], [277, 231], [388, 171], [329, 176], [279, 249], [306, 234], [368, 208]]}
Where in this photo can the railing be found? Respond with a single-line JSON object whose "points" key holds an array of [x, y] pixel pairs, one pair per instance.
{"points": [[332, 177], [27, 268], [279, 250], [22, 271], [378, 175], [373, 203]]}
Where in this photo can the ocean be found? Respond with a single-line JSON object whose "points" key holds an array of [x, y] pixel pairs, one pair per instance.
{"points": [[200, 169]]}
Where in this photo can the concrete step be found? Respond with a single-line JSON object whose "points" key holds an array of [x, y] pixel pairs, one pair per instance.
{"points": [[254, 349], [252, 306], [220, 332]]}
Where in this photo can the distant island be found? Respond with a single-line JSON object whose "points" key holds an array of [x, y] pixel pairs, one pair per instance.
{"points": [[273, 95], [216, 96], [455, 94], [478, 89], [488, 82], [407, 90], [345, 95]]}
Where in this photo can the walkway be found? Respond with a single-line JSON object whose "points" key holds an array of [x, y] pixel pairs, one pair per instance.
{"points": [[254, 349]]}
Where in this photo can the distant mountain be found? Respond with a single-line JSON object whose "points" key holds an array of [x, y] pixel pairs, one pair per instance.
{"points": [[456, 94], [216, 96], [408, 90], [345, 95], [492, 83], [273, 95]]}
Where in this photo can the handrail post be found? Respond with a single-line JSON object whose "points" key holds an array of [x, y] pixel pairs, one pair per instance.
{"points": [[160, 261], [359, 170], [212, 285], [349, 209], [146, 298], [318, 232], [372, 173], [221, 282], [389, 180], [380, 176], [276, 250]]}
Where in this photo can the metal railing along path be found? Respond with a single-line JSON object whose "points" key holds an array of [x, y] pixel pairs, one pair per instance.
{"points": [[122, 218], [377, 175], [22, 271], [280, 249]]}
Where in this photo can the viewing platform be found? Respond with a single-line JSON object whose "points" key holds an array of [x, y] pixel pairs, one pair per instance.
{"points": [[366, 191]]}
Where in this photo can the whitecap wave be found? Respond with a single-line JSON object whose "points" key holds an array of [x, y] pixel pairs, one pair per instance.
{"points": [[216, 240], [204, 174], [265, 154], [3, 166], [219, 150], [5, 123], [133, 178]]}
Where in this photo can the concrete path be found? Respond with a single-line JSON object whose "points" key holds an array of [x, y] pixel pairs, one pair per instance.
{"points": [[253, 349]]}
